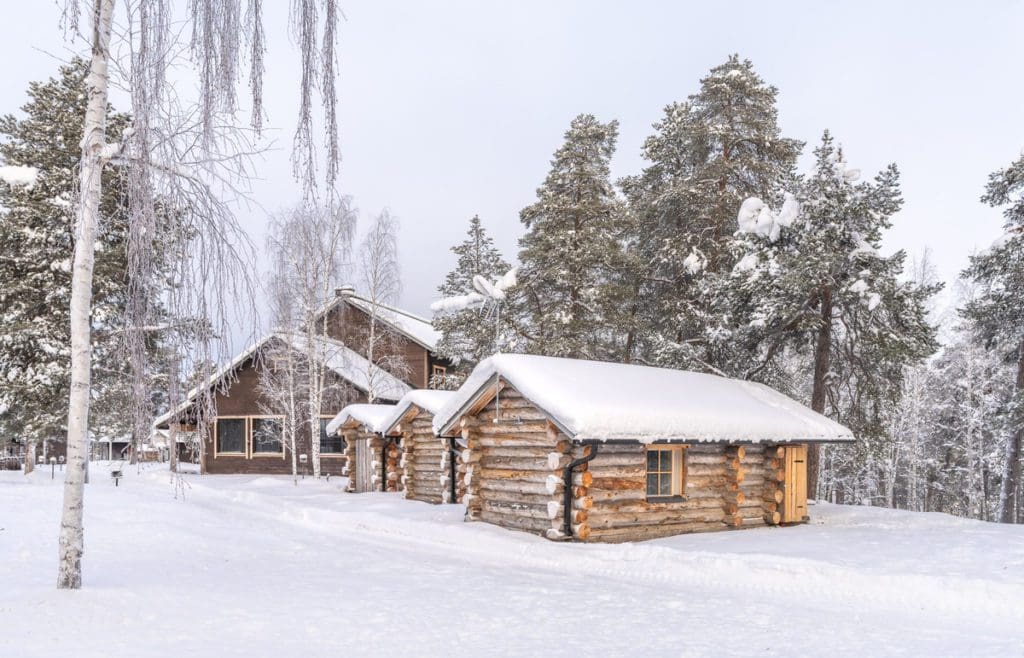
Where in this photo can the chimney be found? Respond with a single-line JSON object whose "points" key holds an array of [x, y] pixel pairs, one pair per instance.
{"points": [[346, 290]]}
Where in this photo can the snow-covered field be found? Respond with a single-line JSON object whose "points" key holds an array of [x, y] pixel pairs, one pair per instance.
{"points": [[254, 566]]}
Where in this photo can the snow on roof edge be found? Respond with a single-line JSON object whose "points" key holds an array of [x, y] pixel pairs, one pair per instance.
{"points": [[428, 400], [590, 400], [372, 416]]}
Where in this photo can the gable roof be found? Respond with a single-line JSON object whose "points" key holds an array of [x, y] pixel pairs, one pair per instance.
{"points": [[373, 416], [428, 400], [414, 327], [593, 400], [338, 358]]}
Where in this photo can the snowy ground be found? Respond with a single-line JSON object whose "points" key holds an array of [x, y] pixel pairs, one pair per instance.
{"points": [[254, 566]]}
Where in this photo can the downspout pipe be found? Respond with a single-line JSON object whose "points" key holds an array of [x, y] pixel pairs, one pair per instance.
{"points": [[567, 493], [384, 464], [452, 470]]}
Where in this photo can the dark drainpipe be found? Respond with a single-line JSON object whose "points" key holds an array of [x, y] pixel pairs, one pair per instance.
{"points": [[567, 494], [384, 464], [452, 470]]}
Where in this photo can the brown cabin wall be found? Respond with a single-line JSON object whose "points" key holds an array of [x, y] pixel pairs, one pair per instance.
{"points": [[351, 325], [515, 480], [425, 466], [243, 398]]}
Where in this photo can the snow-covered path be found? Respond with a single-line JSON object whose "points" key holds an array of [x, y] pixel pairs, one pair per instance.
{"points": [[254, 566]]}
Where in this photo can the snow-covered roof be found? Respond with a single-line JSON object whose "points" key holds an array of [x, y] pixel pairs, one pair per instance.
{"points": [[593, 400], [373, 416], [428, 400], [353, 367], [340, 359], [412, 326]]}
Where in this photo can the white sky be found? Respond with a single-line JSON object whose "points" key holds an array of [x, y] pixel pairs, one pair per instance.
{"points": [[451, 109]]}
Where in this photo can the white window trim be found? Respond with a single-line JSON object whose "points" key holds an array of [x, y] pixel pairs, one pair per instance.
{"points": [[679, 468]]}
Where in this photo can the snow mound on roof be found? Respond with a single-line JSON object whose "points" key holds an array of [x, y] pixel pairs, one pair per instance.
{"points": [[428, 400], [593, 400], [370, 415]]}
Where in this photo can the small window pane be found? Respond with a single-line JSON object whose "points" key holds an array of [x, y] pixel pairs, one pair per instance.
{"points": [[266, 435], [231, 435], [666, 484], [666, 460], [330, 444], [652, 460], [652, 484]]}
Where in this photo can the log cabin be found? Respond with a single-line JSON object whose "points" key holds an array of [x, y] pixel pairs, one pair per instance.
{"points": [[241, 428], [371, 457], [607, 452], [430, 464]]}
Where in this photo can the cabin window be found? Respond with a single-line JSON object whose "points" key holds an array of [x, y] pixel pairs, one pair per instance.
{"points": [[230, 436], [666, 471], [267, 436], [330, 444]]}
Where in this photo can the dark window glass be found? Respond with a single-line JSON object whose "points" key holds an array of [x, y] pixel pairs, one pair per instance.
{"points": [[231, 435], [266, 435], [330, 445]]}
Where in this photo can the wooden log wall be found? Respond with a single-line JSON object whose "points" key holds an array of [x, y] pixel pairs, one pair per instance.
{"points": [[509, 477], [424, 460], [726, 487], [376, 445]]}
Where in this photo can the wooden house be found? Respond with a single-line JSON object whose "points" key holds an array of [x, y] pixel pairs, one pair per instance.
{"points": [[371, 457], [429, 463], [243, 431], [593, 451]]}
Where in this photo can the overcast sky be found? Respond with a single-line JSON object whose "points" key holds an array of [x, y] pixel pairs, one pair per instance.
{"points": [[451, 109]]}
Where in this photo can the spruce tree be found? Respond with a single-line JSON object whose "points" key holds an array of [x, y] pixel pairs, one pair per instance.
{"points": [[569, 251], [36, 246], [468, 335], [999, 315], [709, 153]]}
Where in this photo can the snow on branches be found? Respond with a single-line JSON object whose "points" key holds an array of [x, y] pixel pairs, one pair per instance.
{"points": [[756, 217]]}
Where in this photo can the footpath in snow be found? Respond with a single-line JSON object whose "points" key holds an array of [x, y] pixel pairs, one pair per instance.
{"points": [[255, 566]]}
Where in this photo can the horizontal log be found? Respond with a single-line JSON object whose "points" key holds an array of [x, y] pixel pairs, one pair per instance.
{"points": [[738, 452], [641, 533], [509, 415], [520, 487], [602, 471], [516, 463], [772, 518], [515, 522], [512, 429], [651, 507], [517, 475], [774, 495], [516, 509], [616, 494], [615, 483], [600, 520], [734, 520], [515, 497]]}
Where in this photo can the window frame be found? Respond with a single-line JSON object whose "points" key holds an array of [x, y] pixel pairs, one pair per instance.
{"points": [[217, 452], [678, 472], [340, 453], [250, 439]]}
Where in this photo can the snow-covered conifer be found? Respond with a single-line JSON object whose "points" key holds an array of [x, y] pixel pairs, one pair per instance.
{"points": [[468, 334]]}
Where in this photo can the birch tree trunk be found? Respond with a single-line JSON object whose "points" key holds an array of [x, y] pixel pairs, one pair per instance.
{"points": [[69, 574]]}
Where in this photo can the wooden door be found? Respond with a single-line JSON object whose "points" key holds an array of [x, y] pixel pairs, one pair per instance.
{"points": [[364, 467], [794, 506]]}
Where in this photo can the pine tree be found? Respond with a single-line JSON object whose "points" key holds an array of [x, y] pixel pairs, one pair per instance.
{"points": [[36, 246], [999, 315], [467, 335], [570, 247], [709, 153], [820, 285]]}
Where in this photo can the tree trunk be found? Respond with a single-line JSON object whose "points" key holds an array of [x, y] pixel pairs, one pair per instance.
{"points": [[1010, 487], [822, 354], [30, 458], [172, 447], [69, 569]]}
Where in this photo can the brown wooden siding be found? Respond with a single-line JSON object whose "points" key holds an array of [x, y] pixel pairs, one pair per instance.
{"points": [[514, 479]]}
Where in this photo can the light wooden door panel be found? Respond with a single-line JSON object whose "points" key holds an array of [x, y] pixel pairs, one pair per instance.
{"points": [[364, 467], [795, 502]]}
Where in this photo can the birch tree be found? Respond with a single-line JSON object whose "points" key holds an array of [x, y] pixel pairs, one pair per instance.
{"points": [[184, 153], [381, 279], [311, 250]]}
